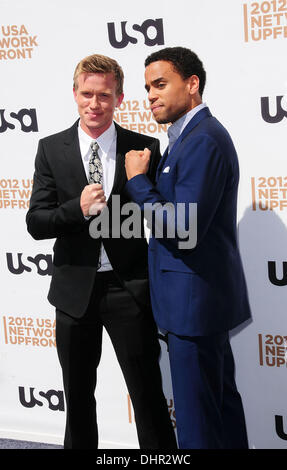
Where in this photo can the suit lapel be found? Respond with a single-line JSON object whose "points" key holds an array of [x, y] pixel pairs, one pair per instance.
{"points": [[120, 178], [202, 114], [161, 163], [73, 157]]}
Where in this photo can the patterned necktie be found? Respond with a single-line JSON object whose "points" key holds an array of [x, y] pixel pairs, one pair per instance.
{"points": [[95, 165]]}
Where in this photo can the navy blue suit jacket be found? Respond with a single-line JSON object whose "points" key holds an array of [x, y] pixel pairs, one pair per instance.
{"points": [[199, 290]]}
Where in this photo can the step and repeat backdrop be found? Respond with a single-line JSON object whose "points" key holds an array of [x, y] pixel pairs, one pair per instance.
{"points": [[243, 46]]}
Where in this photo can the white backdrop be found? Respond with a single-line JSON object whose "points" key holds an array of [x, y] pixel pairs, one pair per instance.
{"points": [[243, 47]]}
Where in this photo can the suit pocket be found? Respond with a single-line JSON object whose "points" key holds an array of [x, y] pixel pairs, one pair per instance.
{"points": [[168, 263]]}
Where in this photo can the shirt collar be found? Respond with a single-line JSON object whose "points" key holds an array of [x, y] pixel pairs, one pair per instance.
{"points": [[104, 140], [177, 127]]}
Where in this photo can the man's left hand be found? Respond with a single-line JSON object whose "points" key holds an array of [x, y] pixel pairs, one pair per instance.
{"points": [[137, 162]]}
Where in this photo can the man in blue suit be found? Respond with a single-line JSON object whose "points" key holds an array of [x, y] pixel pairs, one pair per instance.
{"points": [[198, 289]]}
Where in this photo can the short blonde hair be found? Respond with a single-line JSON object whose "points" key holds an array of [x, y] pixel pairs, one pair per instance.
{"points": [[97, 63]]}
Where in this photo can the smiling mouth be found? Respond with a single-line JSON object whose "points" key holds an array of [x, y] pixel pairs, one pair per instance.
{"points": [[94, 115]]}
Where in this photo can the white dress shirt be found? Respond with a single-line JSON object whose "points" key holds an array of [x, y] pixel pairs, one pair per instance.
{"points": [[107, 152]]}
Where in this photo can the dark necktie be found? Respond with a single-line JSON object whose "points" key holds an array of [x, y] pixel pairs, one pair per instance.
{"points": [[95, 165], [95, 173]]}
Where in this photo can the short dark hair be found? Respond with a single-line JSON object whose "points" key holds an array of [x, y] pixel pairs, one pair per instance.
{"points": [[185, 62]]}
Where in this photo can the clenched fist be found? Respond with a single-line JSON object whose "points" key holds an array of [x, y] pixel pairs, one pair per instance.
{"points": [[93, 199], [137, 162]]}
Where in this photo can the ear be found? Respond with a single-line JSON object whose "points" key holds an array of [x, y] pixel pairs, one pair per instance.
{"points": [[75, 94], [193, 84], [119, 100]]}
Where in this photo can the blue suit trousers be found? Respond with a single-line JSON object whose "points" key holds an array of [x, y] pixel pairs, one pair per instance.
{"points": [[208, 406]]}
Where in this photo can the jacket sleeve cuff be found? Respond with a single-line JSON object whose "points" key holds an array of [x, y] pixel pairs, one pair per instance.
{"points": [[138, 188]]}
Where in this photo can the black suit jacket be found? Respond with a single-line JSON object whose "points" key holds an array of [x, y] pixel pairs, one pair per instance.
{"points": [[55, 212]]}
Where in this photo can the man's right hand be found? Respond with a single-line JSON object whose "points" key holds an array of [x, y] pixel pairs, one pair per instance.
{"points": [[93, 199]]}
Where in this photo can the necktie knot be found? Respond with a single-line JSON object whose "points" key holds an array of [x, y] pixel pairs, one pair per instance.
{"points": [[94, 146]]}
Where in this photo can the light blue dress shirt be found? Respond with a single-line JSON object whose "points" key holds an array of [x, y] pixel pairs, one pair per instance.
{"points": [[177, 127]]}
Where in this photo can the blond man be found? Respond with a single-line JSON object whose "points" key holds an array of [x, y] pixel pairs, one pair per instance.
{"points": [[98, 282]]}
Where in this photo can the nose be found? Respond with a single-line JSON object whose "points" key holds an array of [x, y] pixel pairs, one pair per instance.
{"points": [[94, 103], [152, 95]]}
